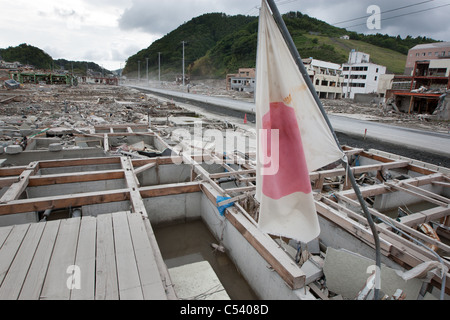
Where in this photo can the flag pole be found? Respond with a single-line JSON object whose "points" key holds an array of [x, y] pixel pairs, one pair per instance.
{"points": [[298, 60]]}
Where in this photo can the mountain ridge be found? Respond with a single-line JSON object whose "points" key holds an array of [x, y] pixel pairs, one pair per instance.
{"points": [[237, 48]]}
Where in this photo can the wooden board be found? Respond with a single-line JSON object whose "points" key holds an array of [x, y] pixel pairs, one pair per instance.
{"points": [[127, 271], [10, 248], [85, 260], [149, 273], [55, 285], [106, 284], [14, 279], [32, 286]]}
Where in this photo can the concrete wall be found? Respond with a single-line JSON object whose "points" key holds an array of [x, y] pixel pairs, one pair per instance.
{"points": [[266, 283], [173, 209], [25, 158], [165, 174]]}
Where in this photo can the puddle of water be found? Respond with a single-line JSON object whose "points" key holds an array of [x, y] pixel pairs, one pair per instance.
{"points": [[191, 242]]}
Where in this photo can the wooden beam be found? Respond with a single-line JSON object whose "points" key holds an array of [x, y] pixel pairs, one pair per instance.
{"points": [[382, 188], [170, 190], [78, 162], [358, 230], [64, 201], [419, 195], [234, 173], [75, 177], [144, 168], [106, 142], [15, 191], [400, 226], [427, 193], [425, 216], [135, 195]]}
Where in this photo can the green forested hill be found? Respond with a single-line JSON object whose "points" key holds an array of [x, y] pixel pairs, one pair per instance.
{"points": [[200, 35], [218, 44], [27, 54]]}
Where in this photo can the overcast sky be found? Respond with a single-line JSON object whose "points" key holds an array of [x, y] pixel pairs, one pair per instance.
{"points": [[109, 31]]}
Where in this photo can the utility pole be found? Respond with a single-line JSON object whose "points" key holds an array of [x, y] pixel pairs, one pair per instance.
{"points": [[159, 67], [147, 71], [183, 63], [139, 71]]}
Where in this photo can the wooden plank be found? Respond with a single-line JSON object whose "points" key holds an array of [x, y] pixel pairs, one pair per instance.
{"points": [[427, 193], [17, 188], [400, 226], [106, 142], [170, 189], [4, 233], [442, 184], [12, 172], [12, 284], [152, 286], [32, 286], [78, 162], [235, 173], [356, 229], [135, 196], [64, 201], [380, 189], [63, 256], [127, 270], [85, 260], [144, 168], [10, 248], [419, 195], [425, 216], [106, 285], [75, 178]]}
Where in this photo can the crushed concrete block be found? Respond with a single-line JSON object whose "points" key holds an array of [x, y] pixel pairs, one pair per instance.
{"points": [[13, 149], [55, 147], [346, 274]]}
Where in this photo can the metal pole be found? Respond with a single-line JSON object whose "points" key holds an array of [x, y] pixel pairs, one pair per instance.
{"points": [[139, 71], [293, 49], [183, 65], [159, 67], [147, 71]]}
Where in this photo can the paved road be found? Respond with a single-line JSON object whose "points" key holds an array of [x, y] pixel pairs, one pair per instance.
{"points": [[437, 143]]}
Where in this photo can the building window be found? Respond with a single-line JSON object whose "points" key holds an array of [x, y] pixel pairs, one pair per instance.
{"points": [[417, 54], [377, 70], [376, 78], [436, 54], [430, 54]]}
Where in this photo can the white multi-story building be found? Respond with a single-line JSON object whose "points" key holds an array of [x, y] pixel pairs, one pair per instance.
{"points": [[326, 77], [360, 75]]}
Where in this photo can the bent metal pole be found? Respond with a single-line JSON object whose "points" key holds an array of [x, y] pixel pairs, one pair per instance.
{"points": [[294, 52]]}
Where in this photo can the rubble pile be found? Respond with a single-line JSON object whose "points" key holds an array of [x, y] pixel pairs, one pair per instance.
{"points": [[60, 111], [384, 114]]}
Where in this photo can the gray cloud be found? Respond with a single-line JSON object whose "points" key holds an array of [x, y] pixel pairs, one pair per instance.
{"points": [[161, 17]]}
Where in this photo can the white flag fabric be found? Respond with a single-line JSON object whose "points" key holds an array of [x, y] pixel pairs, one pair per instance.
{"points": [[294, 139]]}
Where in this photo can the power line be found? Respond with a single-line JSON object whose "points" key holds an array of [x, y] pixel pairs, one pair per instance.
{"points": [[392, 10], [403, 15]]}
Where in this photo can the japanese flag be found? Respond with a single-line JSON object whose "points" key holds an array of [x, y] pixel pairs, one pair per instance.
{"points": [[293, 139]]}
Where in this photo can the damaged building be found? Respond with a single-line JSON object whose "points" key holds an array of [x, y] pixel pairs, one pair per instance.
{"points": [[114, 180], [424, 92]]}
